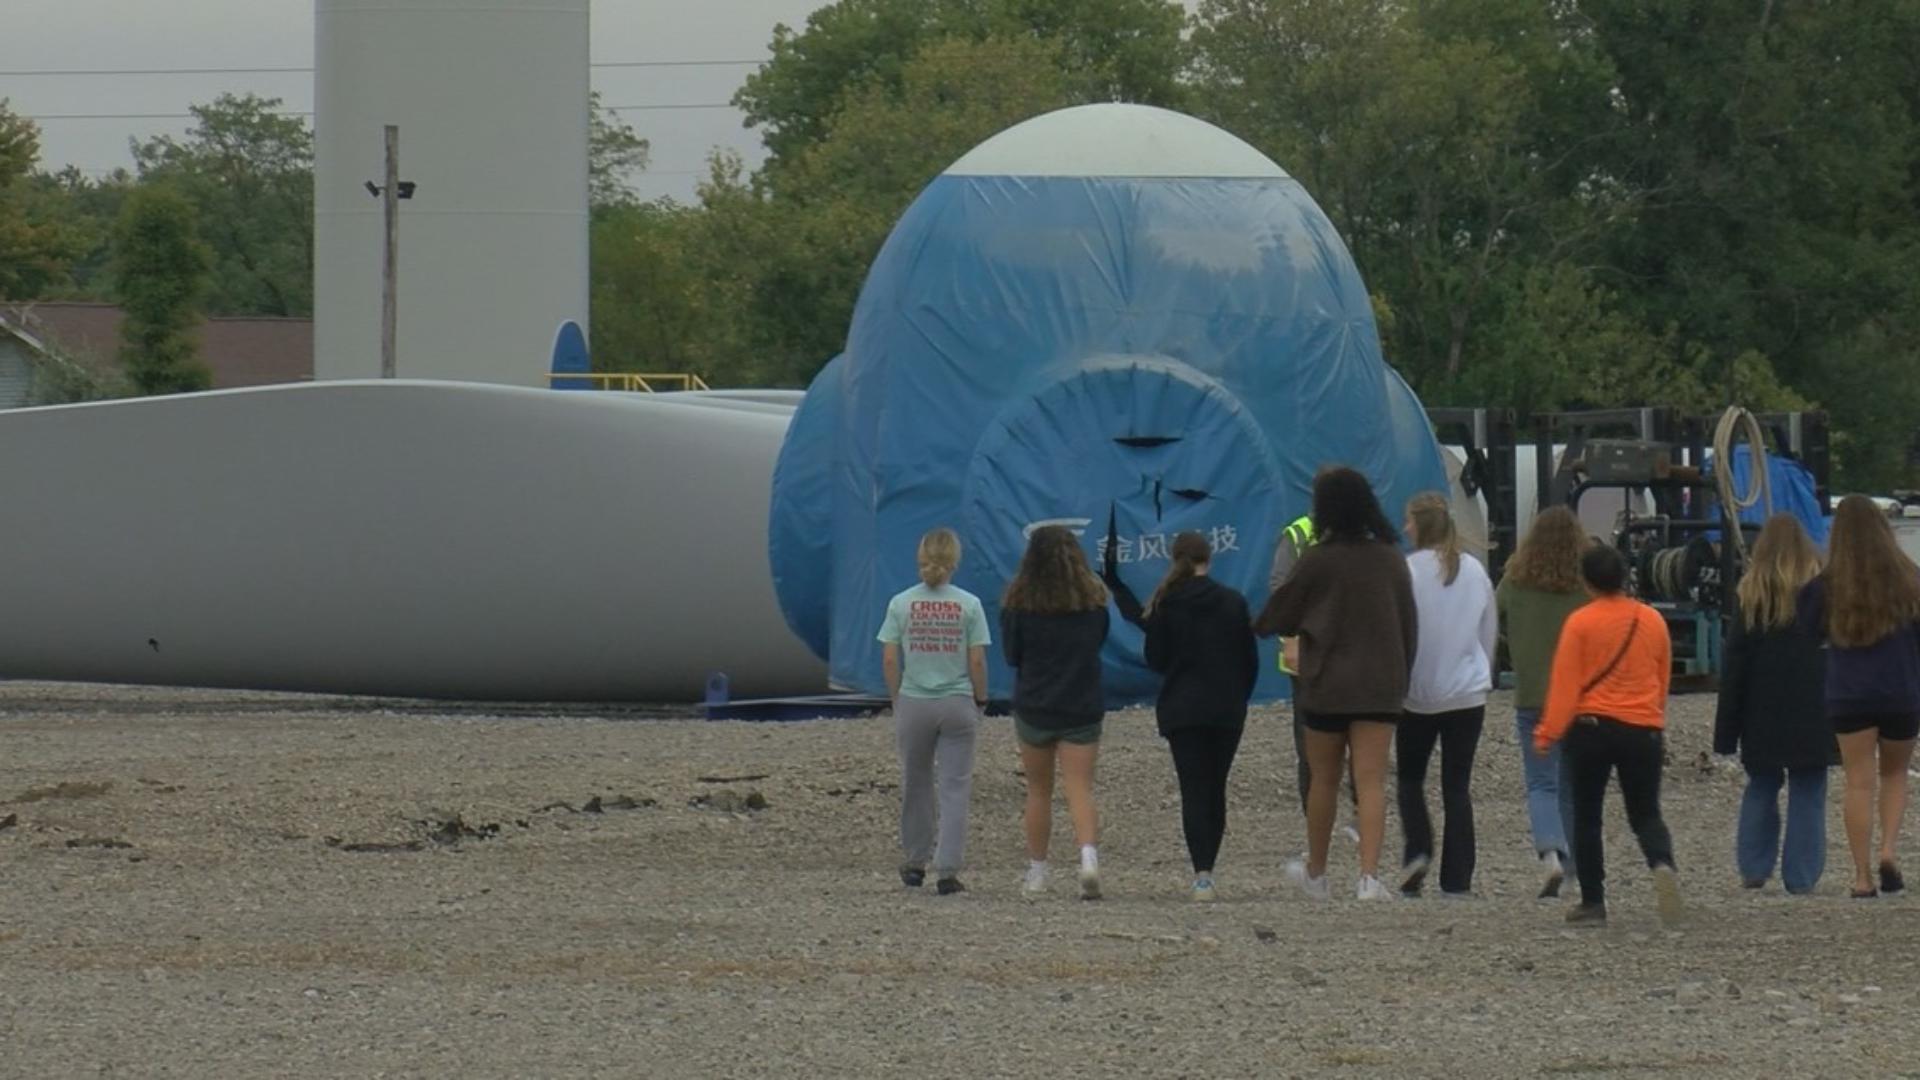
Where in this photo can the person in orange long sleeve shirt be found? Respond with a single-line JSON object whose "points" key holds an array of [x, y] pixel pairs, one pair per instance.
{"points": [[1607, 698]]}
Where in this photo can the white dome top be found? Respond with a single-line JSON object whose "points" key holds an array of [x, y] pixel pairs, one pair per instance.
{"points": [[1116, 140]]}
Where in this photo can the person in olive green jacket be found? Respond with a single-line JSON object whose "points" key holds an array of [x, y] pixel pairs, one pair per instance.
{"points": [[1539, 589]]}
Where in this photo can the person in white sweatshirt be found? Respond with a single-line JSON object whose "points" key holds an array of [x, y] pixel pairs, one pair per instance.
{"points": [[1446, 695]]}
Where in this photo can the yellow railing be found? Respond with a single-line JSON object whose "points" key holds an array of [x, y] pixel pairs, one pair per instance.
{"points": [[651, 382]]}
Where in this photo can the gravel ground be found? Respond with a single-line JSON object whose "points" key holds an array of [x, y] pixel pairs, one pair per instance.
{"points": [[212, 883]]}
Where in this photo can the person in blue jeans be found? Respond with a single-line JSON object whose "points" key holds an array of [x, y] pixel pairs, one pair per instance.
{"points": [[1540, 588], [1772, 709]]}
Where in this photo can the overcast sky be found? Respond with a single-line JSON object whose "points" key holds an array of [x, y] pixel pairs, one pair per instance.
{"points": [[41, 35]]}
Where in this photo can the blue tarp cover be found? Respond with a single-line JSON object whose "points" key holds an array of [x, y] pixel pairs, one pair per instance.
{"points": [[1176, 353], [800, 521], [1794, 492]]}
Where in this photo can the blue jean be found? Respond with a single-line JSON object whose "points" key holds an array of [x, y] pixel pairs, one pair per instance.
{"points": [[1757, 842], [1549, 797]]}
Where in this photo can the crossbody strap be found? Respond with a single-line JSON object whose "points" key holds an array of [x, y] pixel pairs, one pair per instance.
{"points": [[1617, 657]]}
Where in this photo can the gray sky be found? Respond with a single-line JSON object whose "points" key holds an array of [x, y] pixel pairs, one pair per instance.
{"points": [[91, 35]]}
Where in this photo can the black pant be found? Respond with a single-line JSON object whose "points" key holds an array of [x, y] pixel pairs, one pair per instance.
{"points": [[1202, 757], [1304, 772], [1458, 734], [1593, 751]]}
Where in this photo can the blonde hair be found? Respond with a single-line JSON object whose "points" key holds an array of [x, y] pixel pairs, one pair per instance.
{"points": [[1872, 587], [1190, 552], [939, 557], [1548, 558], [1783, 560], [1053, 578], [1432, 518]]}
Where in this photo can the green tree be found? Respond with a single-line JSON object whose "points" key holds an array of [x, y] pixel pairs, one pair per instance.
{"points": [[248, 171], [1104, 50], [1455, 144], [34, 247], [83, 210], [1778, 145], [160, 270], [614, 153], [652, 307], [795, 255]]}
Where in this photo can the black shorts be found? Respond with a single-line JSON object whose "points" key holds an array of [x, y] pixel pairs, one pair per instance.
{"points": [[1894, 727], [1339, 723]]}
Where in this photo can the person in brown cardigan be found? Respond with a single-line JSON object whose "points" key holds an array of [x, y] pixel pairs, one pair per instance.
{"points": [[1350, 602]]}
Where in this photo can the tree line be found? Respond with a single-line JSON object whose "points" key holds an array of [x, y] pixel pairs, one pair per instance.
{"points": [[1555, 203]]}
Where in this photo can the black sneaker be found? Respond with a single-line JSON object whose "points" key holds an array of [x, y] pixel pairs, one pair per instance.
{"points": [[1890, 879], [947, 886], [912, 877], [1587, 915]]}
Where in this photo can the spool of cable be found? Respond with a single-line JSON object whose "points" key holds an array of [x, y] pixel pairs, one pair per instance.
{"points": [[1759, 486]]}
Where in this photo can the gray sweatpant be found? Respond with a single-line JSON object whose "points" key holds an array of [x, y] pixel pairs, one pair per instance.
{"points": [[934, 732]]}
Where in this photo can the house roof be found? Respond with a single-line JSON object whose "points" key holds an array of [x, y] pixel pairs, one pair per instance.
{"points": [[240, 350]]}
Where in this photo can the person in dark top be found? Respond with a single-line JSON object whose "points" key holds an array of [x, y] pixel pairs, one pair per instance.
{"points": [[1350, 601], [1865, 606], [1053, 622], [1201, 642], [1771, 695]]}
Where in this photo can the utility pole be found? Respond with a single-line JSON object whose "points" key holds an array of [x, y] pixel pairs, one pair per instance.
{"points": [[389, 298], [390, 194]]}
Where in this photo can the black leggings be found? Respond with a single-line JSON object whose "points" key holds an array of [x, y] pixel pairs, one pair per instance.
{"points": [[1458, 735], [1592, 754], [1202, 757]]}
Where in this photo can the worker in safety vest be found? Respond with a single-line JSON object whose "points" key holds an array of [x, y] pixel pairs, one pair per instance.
{"points": [[1294, 539]]}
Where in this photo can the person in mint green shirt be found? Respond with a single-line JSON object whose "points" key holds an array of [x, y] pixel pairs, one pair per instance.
{"points": [[934, 652]]}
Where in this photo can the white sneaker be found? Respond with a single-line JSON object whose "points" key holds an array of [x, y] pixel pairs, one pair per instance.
{"points": [[1089, 883], [1414, 874], [1556, 874], [1034, 883], [1351, 832], [1315, 887], [1203, 889], [1372, 888]]}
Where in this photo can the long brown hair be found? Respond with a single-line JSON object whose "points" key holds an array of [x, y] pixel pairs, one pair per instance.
{"points": [[1872, 587], [1053, 577], [1190, 553], [1345, 508], [1782, 560], [1432, 517], [1548, 559], [939, 557]]}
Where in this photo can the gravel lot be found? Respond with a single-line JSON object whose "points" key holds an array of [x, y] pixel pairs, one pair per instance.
{"points": [[213, 883]]}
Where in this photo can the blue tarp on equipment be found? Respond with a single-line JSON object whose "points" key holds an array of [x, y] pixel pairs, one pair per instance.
{"points": [[1794, 492], [1173, 353]]}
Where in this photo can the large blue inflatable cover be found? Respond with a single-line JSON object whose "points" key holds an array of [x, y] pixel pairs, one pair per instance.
{"points": [[800, 520], [1156, 346]]}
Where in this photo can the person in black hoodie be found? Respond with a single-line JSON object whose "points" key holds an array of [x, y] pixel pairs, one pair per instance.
{"points": [[1200, 640], [1772, 710], [1053, 623]]}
